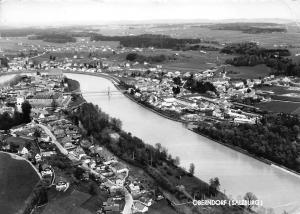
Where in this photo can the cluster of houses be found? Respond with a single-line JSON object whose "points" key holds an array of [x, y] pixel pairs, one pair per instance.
{"points": [[40, 91], [193, 106]]}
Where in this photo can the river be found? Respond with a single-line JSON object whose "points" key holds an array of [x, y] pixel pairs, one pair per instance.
{"points": [[238, 173], [5, 78]]}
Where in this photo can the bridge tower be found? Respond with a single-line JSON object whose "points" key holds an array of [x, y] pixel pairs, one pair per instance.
{"points": [[108, 91]]}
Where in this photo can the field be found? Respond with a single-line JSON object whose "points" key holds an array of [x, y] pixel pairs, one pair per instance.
{"points": [[17, 180], [281, 101], [279, 90], [70, 203], [195, 61], [279, 106], [247, 72]]}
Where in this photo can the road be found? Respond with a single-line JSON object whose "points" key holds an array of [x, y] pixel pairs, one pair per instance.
{"points": [[54, 140], [37, 55], [128, 202]]}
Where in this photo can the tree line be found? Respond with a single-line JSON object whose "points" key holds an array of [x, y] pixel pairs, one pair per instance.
{"points": [[54, 37], [147, 40], [250, 28], [276, 138]]}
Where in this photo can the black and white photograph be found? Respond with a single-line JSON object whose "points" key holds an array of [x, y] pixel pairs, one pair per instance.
{"points": [[149, 106]]}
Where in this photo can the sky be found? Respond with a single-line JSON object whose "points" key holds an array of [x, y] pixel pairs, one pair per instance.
{"points": [[79, 12]]}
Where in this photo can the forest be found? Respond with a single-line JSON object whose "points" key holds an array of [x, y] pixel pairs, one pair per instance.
{"points": [[147, 40], [250, 28], [53, 37], [134, 57], [276, 138]]}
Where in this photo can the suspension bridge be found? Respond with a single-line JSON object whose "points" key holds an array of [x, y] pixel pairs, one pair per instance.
{"points": [[107, 92]]}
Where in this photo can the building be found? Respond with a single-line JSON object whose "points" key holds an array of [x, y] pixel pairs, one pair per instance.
{"points": [[20, 101], [45, 100]]}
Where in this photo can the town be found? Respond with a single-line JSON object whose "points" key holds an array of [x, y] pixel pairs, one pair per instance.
{"points": [[206, 95], [50, 135]]}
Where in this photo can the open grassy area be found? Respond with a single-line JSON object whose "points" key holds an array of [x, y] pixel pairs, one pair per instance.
{"points": [[70, 202], [278, 106], [247, 72]]}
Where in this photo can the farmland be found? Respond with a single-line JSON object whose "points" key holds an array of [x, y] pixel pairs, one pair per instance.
{"points": [[201, 31], [279, 106], [247, 72]]}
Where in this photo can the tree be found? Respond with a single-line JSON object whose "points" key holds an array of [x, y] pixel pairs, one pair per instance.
{"points": [[176, 90], [116, 124], [177, 80], [4, 62], [249, 196], [214, 185], [37, 133], [192, 169], [177, 161], [158, 146], [131, 56], [53, 105], [26, 110]]}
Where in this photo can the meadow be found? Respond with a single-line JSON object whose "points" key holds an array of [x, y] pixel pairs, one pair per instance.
{"points": [[247, 72], [279, 106]]}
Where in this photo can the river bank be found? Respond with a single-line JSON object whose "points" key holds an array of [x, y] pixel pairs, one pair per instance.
{"points": [[238, 149]]}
